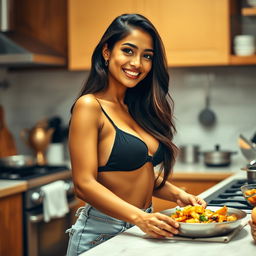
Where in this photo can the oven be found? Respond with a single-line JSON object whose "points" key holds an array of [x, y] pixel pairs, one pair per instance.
{"points": [[231, 196], [43, 238]]}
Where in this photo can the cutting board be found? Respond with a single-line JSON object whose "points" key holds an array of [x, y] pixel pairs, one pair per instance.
{"points": [[7, 144]]}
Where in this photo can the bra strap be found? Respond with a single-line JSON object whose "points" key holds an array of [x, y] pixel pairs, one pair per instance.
{"points": [[105, 113]]}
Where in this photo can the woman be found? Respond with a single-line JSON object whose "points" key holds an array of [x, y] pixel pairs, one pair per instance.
{"points": [[121, 127]]}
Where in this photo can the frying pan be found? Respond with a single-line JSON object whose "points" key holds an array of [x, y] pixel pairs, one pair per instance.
{"points": [[17, 161], [209, 229]]}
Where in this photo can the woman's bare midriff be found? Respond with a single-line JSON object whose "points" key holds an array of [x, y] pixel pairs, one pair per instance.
{"points": [[135, 187]]}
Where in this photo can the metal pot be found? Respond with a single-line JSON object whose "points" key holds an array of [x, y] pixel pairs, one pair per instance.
{"points": [[189, 154], [251, 172], [217, 158], [17, 161]]}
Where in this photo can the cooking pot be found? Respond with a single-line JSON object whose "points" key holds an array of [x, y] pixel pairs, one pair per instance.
{"points": [[251, 172], [217, 157], [189, 154], [17, 161]]}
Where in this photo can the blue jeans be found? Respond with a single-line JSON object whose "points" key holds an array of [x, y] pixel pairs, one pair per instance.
{"points": [[92, 228]]}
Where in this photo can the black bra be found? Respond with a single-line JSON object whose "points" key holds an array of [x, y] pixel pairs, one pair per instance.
{"points": [[129, 152]]}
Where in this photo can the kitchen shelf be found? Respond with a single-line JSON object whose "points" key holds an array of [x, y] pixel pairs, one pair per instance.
{"points": [[243, 60], [249, 11]]}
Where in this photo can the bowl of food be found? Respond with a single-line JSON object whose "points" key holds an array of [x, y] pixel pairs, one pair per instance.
{"points": [[196, 221], [249, 193]]}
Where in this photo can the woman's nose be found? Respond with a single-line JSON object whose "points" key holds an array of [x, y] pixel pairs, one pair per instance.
{"points": [[136, 61]]}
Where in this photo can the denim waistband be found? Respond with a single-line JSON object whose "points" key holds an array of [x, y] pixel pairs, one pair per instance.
{"points": [[89, 210]]}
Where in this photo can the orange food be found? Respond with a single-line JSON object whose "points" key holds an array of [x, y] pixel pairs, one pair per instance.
{"points": [[198, 214], [254, 215], [250, 195], [250, 192]]}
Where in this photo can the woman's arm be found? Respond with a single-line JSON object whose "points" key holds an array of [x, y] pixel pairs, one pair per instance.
{"points": [[172, 193], [83, 145]]}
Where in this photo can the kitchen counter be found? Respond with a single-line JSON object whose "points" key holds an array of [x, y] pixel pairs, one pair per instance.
{"points": [[133, 241], [10, 187]]}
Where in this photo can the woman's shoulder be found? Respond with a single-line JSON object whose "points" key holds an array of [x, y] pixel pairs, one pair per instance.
{"points": [[87, 102]]}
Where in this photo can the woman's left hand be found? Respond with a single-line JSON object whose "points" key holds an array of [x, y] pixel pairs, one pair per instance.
{"points": [[185, 198]]}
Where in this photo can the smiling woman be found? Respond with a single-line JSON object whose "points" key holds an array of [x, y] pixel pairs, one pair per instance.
{"points": [[121, 127]]}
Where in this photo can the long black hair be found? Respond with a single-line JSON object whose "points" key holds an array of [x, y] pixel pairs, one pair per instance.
{"points": [[149, 102]]}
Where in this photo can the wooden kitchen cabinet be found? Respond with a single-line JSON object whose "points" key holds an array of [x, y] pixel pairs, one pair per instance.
{"points": [[11, 236], [192, 183], [194, 32], [87, 21]]}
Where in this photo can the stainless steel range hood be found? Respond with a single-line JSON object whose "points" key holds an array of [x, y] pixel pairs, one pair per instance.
{"points": [[18, 50]]}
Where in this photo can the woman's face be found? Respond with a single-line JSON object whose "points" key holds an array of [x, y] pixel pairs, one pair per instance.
{"points": [[130, 59]]}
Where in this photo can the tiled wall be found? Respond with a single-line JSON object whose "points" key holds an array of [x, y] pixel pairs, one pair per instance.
{"points": [[34, 95]]}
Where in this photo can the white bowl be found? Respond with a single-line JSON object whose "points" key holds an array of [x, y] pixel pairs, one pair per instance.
{"points": [[247, 40], [244, 51]]}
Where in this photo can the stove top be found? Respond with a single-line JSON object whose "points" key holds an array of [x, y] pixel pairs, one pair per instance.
{"points": [[31, 172], [231, 196]]}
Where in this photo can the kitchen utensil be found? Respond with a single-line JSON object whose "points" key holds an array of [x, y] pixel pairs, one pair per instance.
{"points": [[209, 229], [248, 149], [245, 143], [217, 158], [207, 117], [249, 193], [7, 144], [189, 154], [251, 172], [38, 138], [17, 161]]}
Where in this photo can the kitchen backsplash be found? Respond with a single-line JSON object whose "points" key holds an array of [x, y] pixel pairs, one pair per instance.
{"points": [[34, 95]]}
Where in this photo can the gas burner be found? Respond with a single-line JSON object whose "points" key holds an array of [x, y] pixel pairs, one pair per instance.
{"points": [[230, 195]]}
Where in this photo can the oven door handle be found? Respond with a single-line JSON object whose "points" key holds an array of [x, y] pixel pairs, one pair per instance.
{"points": [[40, 217]]}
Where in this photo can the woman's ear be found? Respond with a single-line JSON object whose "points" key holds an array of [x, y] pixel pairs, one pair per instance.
{"points": [[105, 52]]}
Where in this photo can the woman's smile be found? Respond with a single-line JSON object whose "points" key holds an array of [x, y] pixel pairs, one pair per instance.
{"points": [[131, 73]]}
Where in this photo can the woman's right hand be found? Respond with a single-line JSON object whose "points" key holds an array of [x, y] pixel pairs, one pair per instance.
{"points": [[157, 225]]}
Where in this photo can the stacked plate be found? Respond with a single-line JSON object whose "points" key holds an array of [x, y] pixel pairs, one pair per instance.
{"points": [[244, 45]]}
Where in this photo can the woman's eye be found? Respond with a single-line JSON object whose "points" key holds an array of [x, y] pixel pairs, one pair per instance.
{"points": [[148, 56], [127, 50]]}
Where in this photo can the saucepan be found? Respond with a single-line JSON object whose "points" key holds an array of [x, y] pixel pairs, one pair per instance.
{"points": [[218, 157], [209, 229], [251, 171], [17, 161]]}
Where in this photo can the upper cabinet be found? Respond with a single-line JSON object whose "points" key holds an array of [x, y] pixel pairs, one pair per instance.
{"points": [[87, 21], [195, 33]]}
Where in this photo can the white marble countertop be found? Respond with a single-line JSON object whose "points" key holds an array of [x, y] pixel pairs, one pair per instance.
{"points": [[133, 241]]}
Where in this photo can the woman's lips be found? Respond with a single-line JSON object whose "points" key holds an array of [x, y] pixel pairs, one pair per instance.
{"points": [[131, 74]]}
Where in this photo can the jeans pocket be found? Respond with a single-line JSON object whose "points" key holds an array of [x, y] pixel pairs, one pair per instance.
{"points": [[100, 239]]}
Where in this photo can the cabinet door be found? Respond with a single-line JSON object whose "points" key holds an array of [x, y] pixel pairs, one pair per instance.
{"points": [[194, 32], [11, 225], [87, 21]]}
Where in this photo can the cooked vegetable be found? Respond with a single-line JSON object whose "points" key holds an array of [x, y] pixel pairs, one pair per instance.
{"points": [[198, 214]]}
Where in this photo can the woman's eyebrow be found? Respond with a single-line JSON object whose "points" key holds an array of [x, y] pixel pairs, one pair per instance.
{"points": [[136, 47]]}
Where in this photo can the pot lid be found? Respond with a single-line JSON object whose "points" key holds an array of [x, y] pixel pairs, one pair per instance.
{"points": [[252, 166], [217, 149]]}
